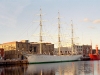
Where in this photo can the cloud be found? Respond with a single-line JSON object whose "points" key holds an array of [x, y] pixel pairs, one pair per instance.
{"points": [[91, 27], [96, 21], [86, 20]]}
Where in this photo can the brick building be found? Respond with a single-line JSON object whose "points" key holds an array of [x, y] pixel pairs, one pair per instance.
{"points": [[47, 48], [1, 53], [87, 50], [77, 49], [16, 49]]}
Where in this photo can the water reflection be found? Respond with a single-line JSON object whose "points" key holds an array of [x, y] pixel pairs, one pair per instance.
{"points": [[13, 69], [52, 69], [85, 68], [68, 68]]}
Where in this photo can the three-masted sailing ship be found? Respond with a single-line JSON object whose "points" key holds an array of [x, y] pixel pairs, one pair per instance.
{"points": [[42, 58]]}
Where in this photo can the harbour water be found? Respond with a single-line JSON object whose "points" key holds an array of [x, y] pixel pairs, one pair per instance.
{"points": [[66, 68]]}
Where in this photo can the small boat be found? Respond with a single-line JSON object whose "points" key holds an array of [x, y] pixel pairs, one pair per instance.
{"points": [[95, 56], [85, 58]]}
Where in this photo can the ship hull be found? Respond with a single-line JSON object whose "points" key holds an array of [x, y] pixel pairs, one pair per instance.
{"points": [[94, 56], [35, 59]]}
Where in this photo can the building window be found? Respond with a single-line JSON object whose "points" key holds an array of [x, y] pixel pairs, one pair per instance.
{"points": [[22, 45], [34, 49], [18, 46], [30, 48]]}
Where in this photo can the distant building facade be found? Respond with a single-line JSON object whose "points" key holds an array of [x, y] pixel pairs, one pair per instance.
{"points": [[63, 51], [77, 49], [87, 50], [15, 49]]}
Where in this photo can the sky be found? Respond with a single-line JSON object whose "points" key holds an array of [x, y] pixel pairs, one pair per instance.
{"points": [[19, 20]]}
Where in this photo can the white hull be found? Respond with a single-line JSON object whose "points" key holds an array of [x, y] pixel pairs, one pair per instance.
{"points": [[51, 58]]}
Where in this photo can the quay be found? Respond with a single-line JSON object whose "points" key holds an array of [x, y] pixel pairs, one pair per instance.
{"points": [[21, 62], [13, 62]]}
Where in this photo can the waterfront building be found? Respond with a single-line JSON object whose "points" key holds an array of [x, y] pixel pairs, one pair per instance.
{"points": [[78, 49], [63, 50], [83, 49], [87, 50], [13, 49], [16, 49], [47, 48], [1, 53]]}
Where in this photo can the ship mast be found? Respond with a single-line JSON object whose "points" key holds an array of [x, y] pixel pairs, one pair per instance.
{"points": [[72, 43], [91, 46], [59, 42], [40, 31]]}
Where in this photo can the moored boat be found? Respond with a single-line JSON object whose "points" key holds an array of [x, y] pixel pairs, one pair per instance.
{"points": [[44, 58], [95, 56], [34, 59]]}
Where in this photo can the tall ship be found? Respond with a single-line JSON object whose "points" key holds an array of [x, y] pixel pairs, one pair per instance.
{"points": [[95, 56], [44, 58]]}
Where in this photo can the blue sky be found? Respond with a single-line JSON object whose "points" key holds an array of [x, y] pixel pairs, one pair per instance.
{"points": [[17, 20]]}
